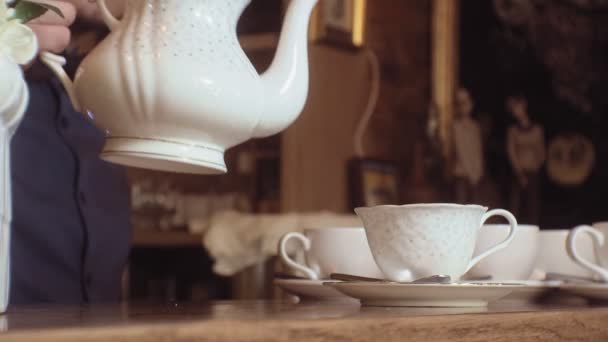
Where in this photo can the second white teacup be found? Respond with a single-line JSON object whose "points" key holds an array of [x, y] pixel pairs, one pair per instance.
{"points": [[599, 264], [331, 250], [514, 262], [553, 254], [410, 242]]}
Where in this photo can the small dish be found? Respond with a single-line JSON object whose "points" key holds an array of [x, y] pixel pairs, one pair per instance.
{"points": [[529, 291], [307, 289], [424, 295], [591, 291]]}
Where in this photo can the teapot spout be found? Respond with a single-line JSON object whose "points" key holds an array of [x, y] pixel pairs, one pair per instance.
{"points": [[286, 81], [56, 64]]}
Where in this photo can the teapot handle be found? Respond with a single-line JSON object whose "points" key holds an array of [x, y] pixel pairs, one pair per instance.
{"points": [[56, 64], [107, 16]]}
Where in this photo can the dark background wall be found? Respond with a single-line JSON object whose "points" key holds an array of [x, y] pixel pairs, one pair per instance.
{"points": [[556, 54]]}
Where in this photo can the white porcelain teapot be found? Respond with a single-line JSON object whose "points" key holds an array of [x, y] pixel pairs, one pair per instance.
{"points": [[173, 89]]}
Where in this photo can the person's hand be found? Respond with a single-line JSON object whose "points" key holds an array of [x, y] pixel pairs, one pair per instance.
{"points": [[52, 30], [88, 10]]}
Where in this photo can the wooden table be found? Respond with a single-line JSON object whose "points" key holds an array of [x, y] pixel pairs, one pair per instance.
{"points": [[273, 321]]}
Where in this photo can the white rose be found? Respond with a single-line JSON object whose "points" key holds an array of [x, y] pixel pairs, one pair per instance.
{"points": [[17, 41]]}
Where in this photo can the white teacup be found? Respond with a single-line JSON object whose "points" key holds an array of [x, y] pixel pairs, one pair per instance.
{"points": [[598, 263], [514, 262], [331, 250], [553, 256], [420, 240]]}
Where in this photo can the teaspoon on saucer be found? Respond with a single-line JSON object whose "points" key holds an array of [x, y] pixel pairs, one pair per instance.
{"points": [[435, 279]]}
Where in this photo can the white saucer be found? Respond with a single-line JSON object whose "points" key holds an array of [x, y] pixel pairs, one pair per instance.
{"points": [[310, 289], [424, 295], [529, 291], [588, 291]]}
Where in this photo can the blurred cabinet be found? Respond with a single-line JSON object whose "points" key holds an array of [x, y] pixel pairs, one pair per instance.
{"points": [[174, 274]]}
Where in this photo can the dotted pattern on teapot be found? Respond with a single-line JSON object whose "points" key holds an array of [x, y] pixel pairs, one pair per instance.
{"points": [[201, 29]]}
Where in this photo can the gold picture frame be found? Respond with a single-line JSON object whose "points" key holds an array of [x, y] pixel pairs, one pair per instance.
{"points": [[340, 22], [445, 58]]}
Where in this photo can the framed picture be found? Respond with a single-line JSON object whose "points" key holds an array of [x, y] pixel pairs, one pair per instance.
{"points": [[445, 59], [340, 22], [373, 182]]}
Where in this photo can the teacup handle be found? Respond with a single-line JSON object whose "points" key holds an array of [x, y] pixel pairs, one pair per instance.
{"points": [[598, 239], [310, 273], [512, 227]]}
